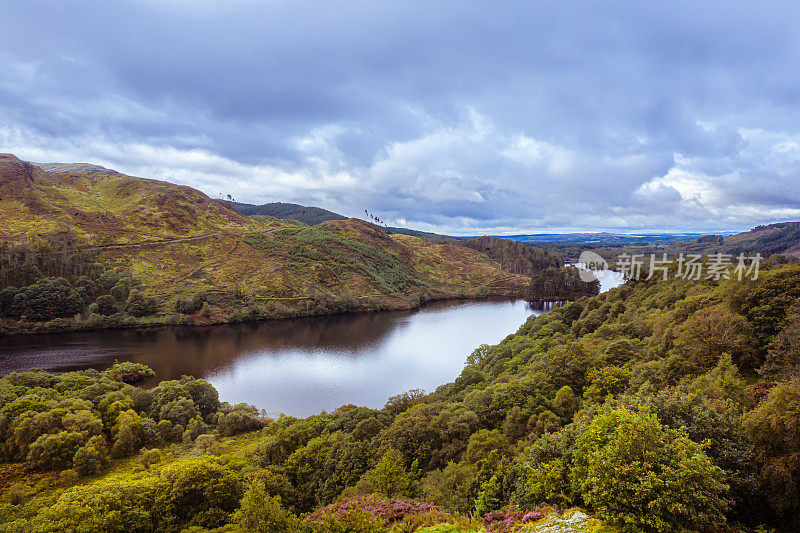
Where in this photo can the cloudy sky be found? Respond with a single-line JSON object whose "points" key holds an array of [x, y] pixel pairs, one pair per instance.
{"points": [[454, 116]]}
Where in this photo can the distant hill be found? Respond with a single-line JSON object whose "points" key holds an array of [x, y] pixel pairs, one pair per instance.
{"points": [[316, 215], [68, 167], [782, 238], [604, 238], [175, 244], [305, 214]]}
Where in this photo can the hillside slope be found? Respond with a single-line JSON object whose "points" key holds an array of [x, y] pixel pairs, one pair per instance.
{"points": [[301, 213], [173, 242], [316, 215]]}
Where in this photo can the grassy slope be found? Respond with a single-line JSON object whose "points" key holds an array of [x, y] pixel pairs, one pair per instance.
{"points": [[180, 242]]}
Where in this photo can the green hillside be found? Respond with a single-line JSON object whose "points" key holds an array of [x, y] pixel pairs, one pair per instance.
{"points": [[96, 248], [301, 213]]}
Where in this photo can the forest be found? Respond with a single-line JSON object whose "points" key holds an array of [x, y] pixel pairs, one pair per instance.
{"points": [[656, 406], [559, 284], [516, 257]]}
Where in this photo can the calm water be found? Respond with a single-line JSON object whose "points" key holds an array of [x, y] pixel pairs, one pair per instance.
{"points": [[299, 366]]}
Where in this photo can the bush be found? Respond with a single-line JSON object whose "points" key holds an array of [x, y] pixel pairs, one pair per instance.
{"points": [[642, 475], [107, 305], [261, 513], [55, 450], [147, 458], [241, 419], [188, 307], [139, 305], [128, 372], [199, 492], [92, 458], [46, 299]]}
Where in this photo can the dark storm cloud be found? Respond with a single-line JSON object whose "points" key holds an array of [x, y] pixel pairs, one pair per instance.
{"points": [[456, 116]]}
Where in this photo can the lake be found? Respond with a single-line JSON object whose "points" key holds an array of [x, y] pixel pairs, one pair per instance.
{"points": [[299, 366]]}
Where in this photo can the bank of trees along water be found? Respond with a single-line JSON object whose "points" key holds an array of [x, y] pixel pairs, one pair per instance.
{"points": [[657, 406]]}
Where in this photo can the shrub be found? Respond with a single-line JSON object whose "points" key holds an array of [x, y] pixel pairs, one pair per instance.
{"points": [[55, 450], [388, 478], [147, 458], [642, 475], [92, 458], [138, 305], [261, 513], [128, 372], [107, 305]]}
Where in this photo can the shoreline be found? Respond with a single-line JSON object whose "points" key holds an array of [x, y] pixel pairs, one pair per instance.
{"points": [[117, 322]]}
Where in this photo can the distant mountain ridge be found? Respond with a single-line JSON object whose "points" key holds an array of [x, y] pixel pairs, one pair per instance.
{"points": [[306, 214], [68, 167], [316, 215]]}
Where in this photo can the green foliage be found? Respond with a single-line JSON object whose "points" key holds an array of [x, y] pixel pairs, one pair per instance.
{"points": [[46, 299], [240, 419], [138, 305], [516, 257], [107, 305], [642, 475], [55, 450], [128, 372], [389, 478], [92, 458], [559, 283], [488, 498], [202, 492], [261, 513], [774, 428]]}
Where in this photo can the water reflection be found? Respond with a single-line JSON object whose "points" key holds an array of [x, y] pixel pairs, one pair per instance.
{"points": [[298, 366]]}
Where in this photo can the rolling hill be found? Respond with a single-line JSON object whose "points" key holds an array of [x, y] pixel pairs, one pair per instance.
{"points": [[175, 243], [316, 215]]}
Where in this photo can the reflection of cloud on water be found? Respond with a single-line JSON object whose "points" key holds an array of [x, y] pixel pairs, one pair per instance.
{"points": [[299, 366], [428, 351]]}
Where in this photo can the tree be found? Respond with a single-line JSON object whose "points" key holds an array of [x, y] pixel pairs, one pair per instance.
{"points": [[179, 411], [55, 450], [489, 497], [775, 430], [565, 402], [199, 492], [642, 475], [388, 478], [261, 513], [107, 305], [711, 332], [129, 372], [46, 299], [138, 305], [92, 458]]}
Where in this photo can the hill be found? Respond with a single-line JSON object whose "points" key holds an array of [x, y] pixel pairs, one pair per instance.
{"points": [[198, 260], [301, 213], [317, 215], [781, 238]]}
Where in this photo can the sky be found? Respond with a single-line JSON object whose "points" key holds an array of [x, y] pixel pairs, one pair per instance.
{"points": [[452, 116]]}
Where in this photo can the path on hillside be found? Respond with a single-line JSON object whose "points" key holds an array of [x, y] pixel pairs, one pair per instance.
{"points": [[168, 241], [152, 243]]}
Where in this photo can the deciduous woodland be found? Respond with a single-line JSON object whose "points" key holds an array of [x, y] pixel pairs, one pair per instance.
{"points": [[656, 406]]}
